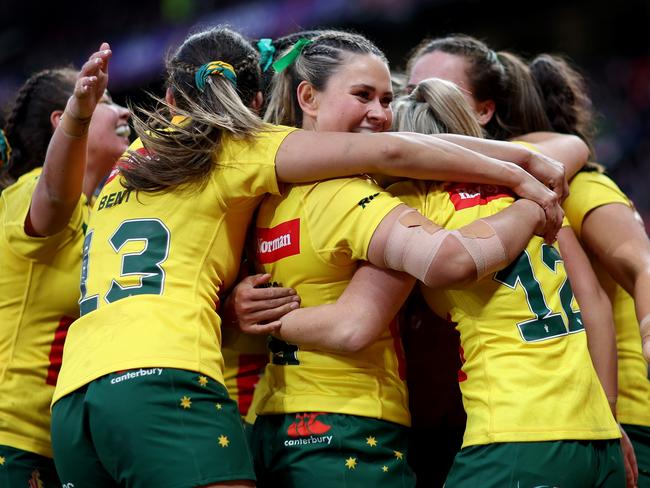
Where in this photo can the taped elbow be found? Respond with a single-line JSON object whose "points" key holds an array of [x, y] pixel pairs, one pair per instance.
{"points": [[415, 245]]}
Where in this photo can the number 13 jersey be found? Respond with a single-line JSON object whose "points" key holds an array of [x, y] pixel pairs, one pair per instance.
{"points": [[154, 263], [527, 374]]}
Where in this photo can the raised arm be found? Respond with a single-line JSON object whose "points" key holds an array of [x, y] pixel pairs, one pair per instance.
{"points": [[615, 234], [596, 311], [60, 184], [406, 155]]}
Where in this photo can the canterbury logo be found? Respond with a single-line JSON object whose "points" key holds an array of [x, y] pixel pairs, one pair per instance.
{"points": [[307, 424], [278, 242], [465, 196]]}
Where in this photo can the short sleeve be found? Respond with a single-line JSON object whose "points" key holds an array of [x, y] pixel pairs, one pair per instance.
{"points": [[14, 207], [343, 214], [248, 165], [589, 190], [430, 199]]}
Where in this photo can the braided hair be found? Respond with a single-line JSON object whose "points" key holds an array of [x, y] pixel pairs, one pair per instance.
{"points": [[28, 125], [317, 62]]}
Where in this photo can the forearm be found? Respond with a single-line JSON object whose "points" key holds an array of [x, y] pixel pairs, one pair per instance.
{"points": [[503, 150], [596, 312], [569, 149], [601, 340], [432, 158], [59, 187], [411, 155], [322, 326], [516, 225], [359, 316]]}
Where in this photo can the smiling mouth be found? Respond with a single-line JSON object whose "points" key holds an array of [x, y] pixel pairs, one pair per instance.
{"points": [[368, 130], [123, 130]]}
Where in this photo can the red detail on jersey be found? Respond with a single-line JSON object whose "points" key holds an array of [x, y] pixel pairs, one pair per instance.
{"points": [[124, 162], [394, 327], [466, 195], [56, 350], [278, 242], [462, 376], [114, 172], [251, 367], [307, 424]]}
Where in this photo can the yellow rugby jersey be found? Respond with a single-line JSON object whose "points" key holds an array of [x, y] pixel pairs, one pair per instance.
{"points": [[527, 374], [311, 239], [39, 287], [589, 190], [154, 263]]}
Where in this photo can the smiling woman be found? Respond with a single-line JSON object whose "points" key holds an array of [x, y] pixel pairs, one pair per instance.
{"points": [[340, 82], [40, 244]]}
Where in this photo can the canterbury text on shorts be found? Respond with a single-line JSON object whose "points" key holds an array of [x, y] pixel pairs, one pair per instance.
{"points": [[330, 450], [145, 427]]}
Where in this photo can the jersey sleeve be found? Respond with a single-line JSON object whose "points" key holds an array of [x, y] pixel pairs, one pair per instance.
{"points": [[251, 163], [428, 198], [16, 202], [344, 214], [589, 190]]}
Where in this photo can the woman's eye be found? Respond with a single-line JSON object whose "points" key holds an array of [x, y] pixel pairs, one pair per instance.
{"points": [[386, 102], [363, 95]]}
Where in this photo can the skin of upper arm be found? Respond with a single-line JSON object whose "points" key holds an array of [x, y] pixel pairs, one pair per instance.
{"points": [[614, 234], [309, 155]]}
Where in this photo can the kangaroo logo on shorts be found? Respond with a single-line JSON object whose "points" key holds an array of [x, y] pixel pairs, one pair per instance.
{"points": [[278, 242], [464, 195], [307, 424]]}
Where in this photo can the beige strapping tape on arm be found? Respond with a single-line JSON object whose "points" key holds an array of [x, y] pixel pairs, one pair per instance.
{"points": [[484, 245], [414, 242]]}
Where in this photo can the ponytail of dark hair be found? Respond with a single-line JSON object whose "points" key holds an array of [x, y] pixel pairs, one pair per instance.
{"points": [[564, 95], [182, 153]]}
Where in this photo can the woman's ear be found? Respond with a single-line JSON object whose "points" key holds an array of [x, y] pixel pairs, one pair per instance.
{"points": [[169, 97], [55, 118], [258, 102], [485, 111], [308, 98]]}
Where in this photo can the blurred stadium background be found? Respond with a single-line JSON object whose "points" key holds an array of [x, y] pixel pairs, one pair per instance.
{"points": [[609, 40]]}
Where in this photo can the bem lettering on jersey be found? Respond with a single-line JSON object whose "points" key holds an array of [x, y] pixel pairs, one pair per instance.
{"points": [[278, 242], [113, 199], [463, 195]]}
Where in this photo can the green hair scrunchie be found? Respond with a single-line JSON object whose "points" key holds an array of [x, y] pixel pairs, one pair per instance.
{"points": [[285, 61], [214, 67], [267, 50]]}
